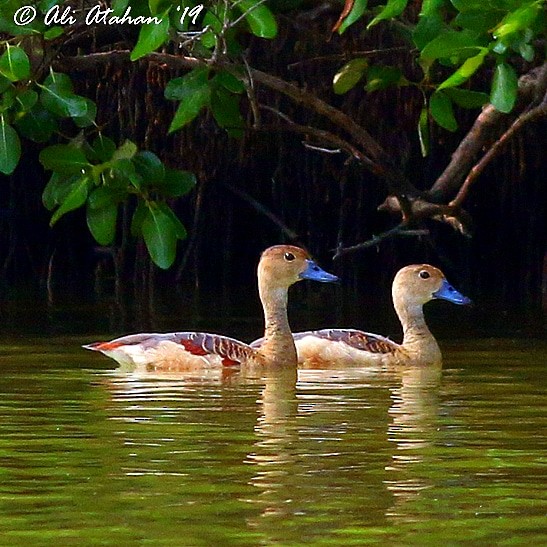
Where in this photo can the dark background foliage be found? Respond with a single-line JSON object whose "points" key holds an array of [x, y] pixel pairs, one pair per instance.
{"points": [[323, 198]]}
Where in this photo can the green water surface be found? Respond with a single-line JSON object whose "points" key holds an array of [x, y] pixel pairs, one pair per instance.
{"points": [[93, 456]]}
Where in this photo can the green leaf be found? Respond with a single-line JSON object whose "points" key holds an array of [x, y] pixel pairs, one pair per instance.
{"points": [[89, 117], [190, 107], [176, 183], [105, 195], [101, 222], [7, 99], [381, 77], [64, 158], [504, 88], [149, 167], [54, 32], [56, 190], [184, 87], [10, 147], [58, 101], [479, 21], [428, 28], [393, 8], [151, 37], [440, 107], [60, 81], [156, 6], [213, 19], [160, 235], [7, 25], [225, 109], [230, 82], [518, 20], [119, 7], [260, 19], [45, 5], [123, 171], [38, 125], [27, 99], [75, 198], [423, 132], [359, 7], [4, 84], [180, 230], [125, 152], [139, 215], [527, 52], [448, 44], [14, 64], [431, 7], [463, 73], [103, 148], [349, 75], [467, 98], [465, 6]]}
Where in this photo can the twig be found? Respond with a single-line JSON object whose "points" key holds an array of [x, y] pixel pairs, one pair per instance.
{"points": [[537, 112], [343, 56], [321, 149], [235, 22], [291, 234], [251, 95], [195, 230], [531, 84], [375, 240], [320, 134], [379, 162]]}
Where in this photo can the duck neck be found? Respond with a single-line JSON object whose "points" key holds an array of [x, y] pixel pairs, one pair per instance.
{"points": [[278, 347], [417, 340]]}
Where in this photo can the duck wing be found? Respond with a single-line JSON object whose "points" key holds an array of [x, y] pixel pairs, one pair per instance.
{"points": [[149, 347], [364, 341]]}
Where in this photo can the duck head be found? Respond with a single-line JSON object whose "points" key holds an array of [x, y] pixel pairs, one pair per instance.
{"points": [[422, 283], [281, 266]]}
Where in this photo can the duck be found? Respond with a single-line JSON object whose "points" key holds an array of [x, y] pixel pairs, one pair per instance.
{"points": [[279, 267], [413, 286]]}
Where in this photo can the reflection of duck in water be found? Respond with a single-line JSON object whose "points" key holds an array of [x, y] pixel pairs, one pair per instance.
{"points": [[307, 458], [273, 457], [413, 287], [412, 432], [280, 267]]}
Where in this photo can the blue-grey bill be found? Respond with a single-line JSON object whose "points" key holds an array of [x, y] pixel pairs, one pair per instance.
{"points": [[315, 273], [448, 292]]}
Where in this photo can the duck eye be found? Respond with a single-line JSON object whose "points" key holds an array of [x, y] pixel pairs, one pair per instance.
{"points": [[424, 274], [289, 257]]}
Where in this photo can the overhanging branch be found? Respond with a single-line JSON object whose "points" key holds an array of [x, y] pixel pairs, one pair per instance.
{"points": [[377, 159], [532, 85]]}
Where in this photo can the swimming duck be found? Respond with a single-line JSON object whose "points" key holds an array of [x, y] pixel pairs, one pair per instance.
{"points": [[413, 286], [279, 267]]}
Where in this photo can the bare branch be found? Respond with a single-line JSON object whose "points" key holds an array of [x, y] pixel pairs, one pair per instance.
{"points": [[377, 159], [319, 134], [531, 85], [321, 149], [251, 95], [417, 210], [337, 57], [291, 234], [497, 147], [400, 229]]}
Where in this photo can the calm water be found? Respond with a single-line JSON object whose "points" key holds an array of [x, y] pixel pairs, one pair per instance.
{"points": [[90, 455]]}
